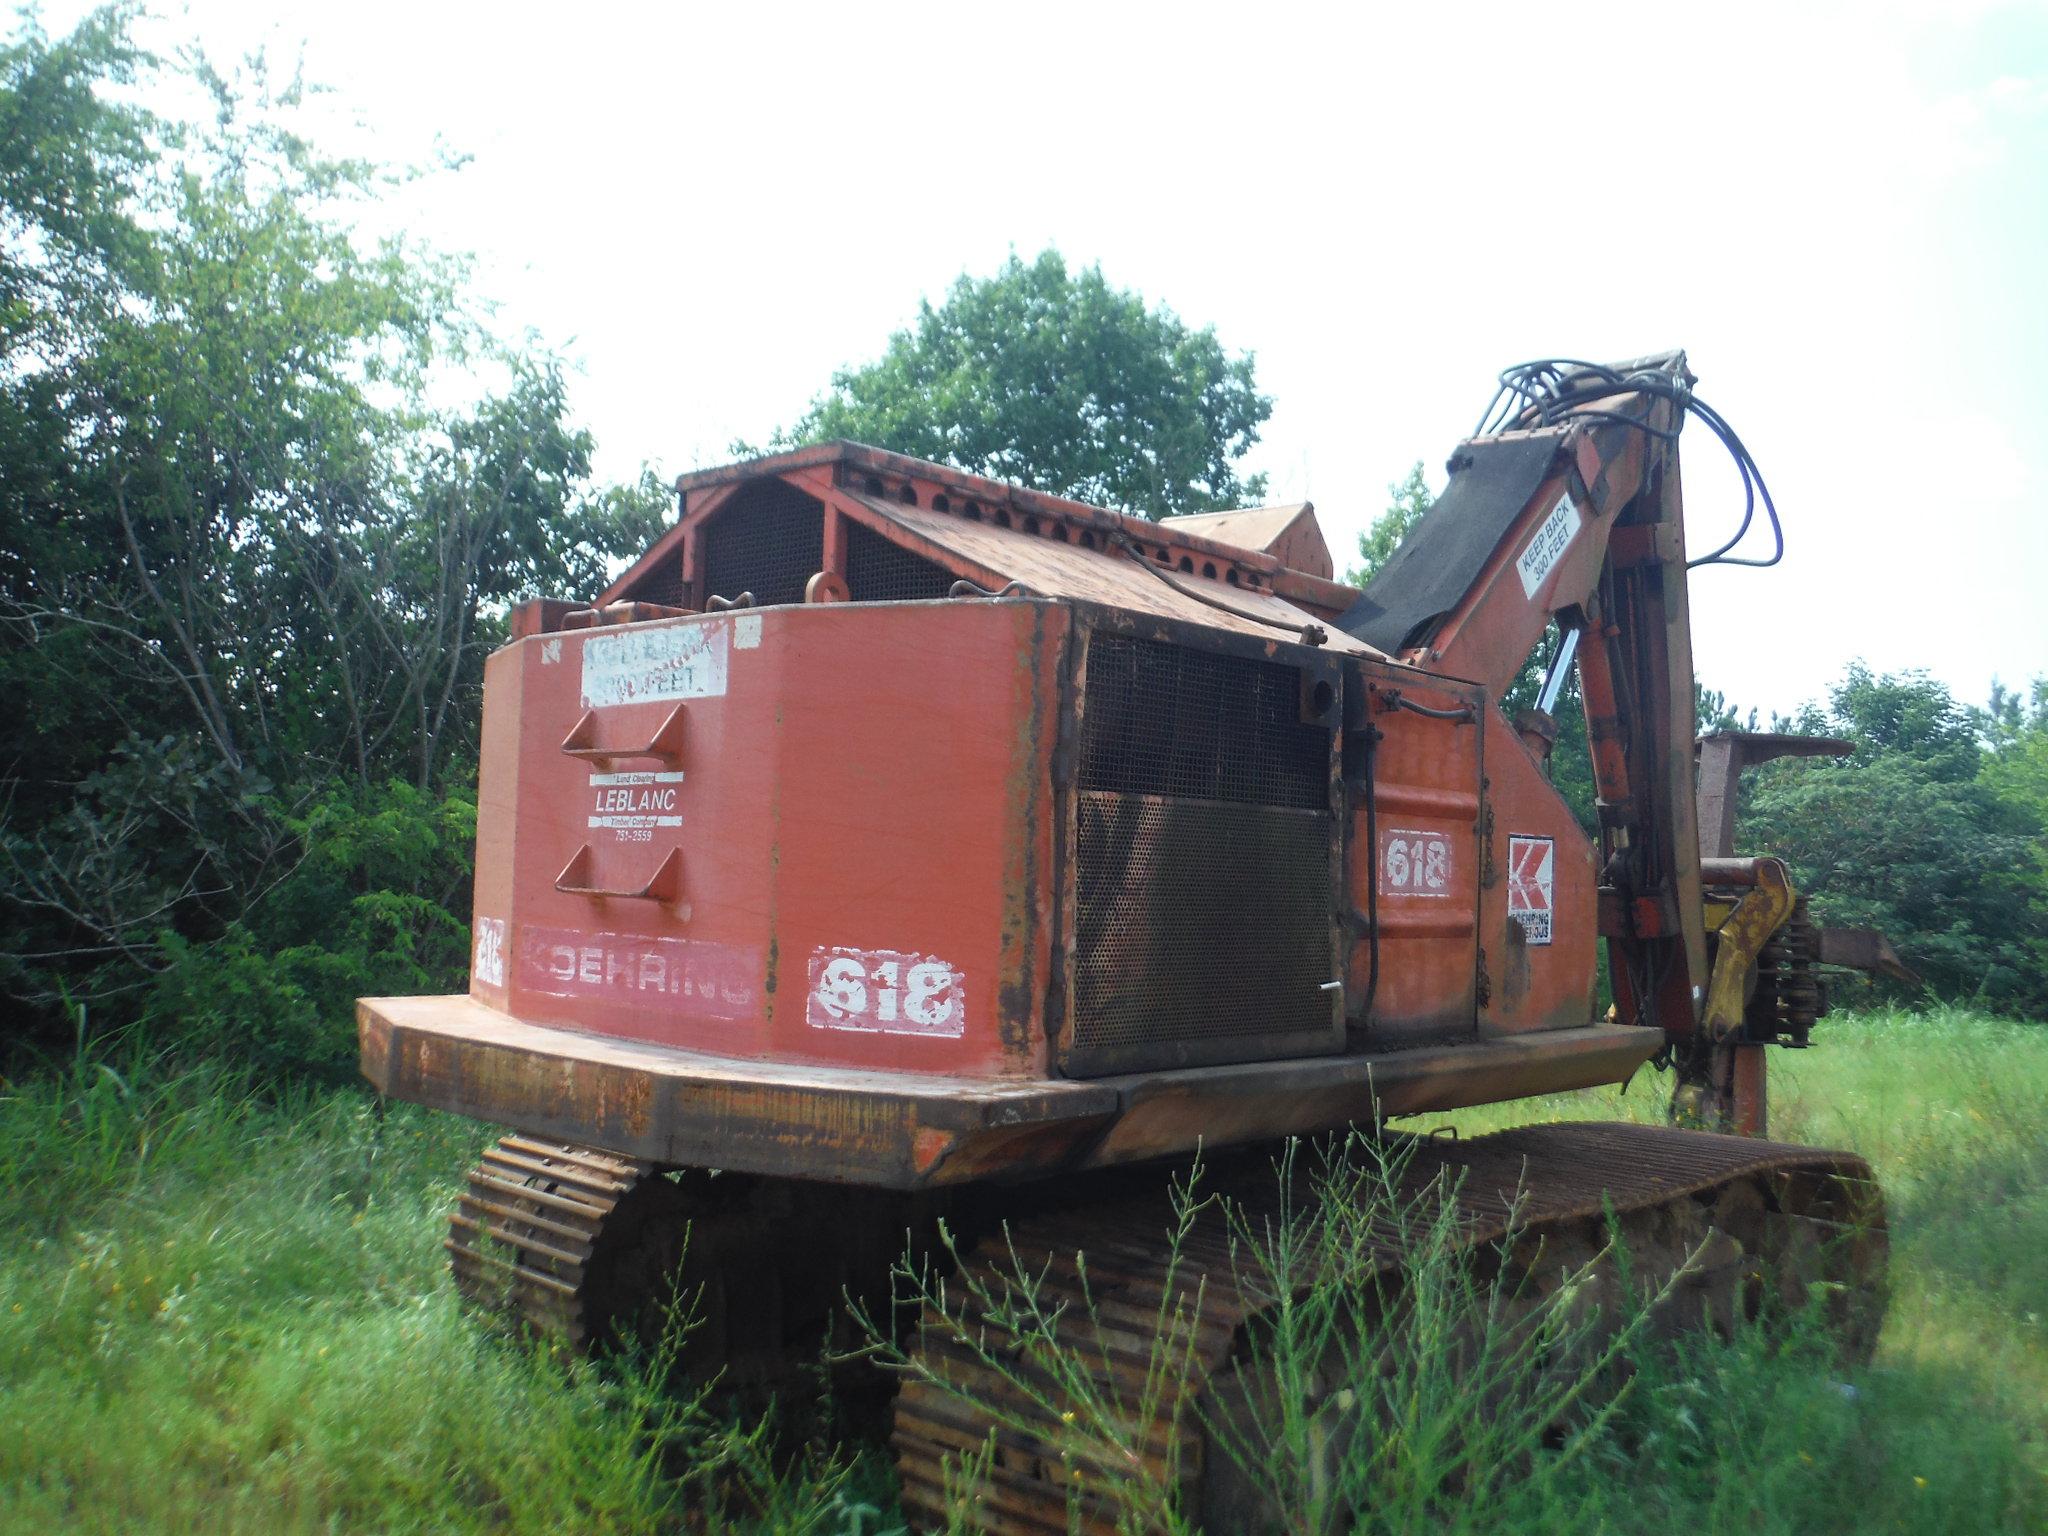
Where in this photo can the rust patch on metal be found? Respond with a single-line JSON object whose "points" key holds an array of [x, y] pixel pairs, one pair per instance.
{"points": [[683, 1108]]}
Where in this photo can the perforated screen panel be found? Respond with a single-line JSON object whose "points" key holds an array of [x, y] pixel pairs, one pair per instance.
{"points": [[1204, 913], [663, 584], [1167, 720], [878, 571], [1199, 921], [768, 540]]}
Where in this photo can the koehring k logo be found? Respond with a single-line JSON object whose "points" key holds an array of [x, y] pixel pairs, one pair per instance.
{"points": [[1532, 866]]}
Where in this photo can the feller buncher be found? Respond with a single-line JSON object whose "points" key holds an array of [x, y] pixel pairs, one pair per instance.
{"points": [[890, 846]]}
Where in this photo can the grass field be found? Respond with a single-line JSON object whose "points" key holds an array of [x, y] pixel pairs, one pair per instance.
{"points": [[224, 1312]]}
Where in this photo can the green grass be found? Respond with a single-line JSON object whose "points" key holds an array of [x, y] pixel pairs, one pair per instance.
{"points": [[1948, 1428], [221, 1314], [222, 1311]]}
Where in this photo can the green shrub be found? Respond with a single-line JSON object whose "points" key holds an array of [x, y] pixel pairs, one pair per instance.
{"points": [[376, 906]]}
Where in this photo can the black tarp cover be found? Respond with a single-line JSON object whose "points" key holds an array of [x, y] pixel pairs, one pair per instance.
{"points": [[1448, 547]]}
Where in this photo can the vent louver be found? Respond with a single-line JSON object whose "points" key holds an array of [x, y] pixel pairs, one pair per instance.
{"points": [[768, 540], [878, 571], [1204, 915]]}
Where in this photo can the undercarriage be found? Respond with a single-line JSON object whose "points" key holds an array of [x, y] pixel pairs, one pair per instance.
{"points": [[1088, 1345]]}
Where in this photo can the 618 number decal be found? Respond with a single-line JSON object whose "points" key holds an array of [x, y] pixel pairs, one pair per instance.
{"points": [[1414, 863], [886, 991]]}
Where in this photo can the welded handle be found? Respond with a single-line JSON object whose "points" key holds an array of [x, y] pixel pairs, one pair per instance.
{"points": [[666, 884], [666, 745]]}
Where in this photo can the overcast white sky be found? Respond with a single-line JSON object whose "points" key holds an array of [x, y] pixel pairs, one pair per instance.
{"points": [[1841, 211]]}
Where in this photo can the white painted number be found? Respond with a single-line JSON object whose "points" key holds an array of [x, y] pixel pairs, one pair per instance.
{"points": [[886, 991], [842, 990], [932, 998], [488, 964], [1415, 863]]}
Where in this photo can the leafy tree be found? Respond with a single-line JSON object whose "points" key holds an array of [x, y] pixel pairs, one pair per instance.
{"points": [[1713, 712], [2015, 771], [1911, 716], [1377, 544], [2016, 762], [253, 562], [1914, 836], [1058, 380]]}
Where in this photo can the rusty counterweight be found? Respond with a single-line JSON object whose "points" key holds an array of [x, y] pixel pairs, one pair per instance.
{"points": [[679, 1108]]}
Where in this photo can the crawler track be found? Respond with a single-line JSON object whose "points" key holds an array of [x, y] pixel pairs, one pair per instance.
{"points": [[1756, 1212], [584, 1246], [526, 1229], [589, 1248]]}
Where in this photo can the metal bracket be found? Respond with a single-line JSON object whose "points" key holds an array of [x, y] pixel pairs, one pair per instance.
{"points": [[664, 886], [1761, 912], [965, 588], [666, 745], [1721, 757], [1489, 874], [1866, 950]]}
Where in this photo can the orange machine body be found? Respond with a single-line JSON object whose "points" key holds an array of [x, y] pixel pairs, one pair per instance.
{"points": [[842, 782], [850, 852], [991, 833]]}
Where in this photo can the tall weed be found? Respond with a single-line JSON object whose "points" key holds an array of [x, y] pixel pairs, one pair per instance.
{"points": [[226, 1310]]}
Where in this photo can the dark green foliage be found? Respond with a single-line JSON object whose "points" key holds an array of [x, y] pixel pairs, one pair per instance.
{"points": [[377, 906], [2015, 770], [1377, 544], [252, 563], [1909, 716], [1055, 379], [1927, 832]]}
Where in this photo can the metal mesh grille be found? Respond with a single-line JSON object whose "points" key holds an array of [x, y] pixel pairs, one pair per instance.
{"points": [[663, 584], [769, 541], [1203, 908], [1199, 921], [878, 571], [1165, 720]]}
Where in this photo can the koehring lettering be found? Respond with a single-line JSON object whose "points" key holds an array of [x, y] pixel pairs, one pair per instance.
{"points": [[595, 965], [709, 979]]}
